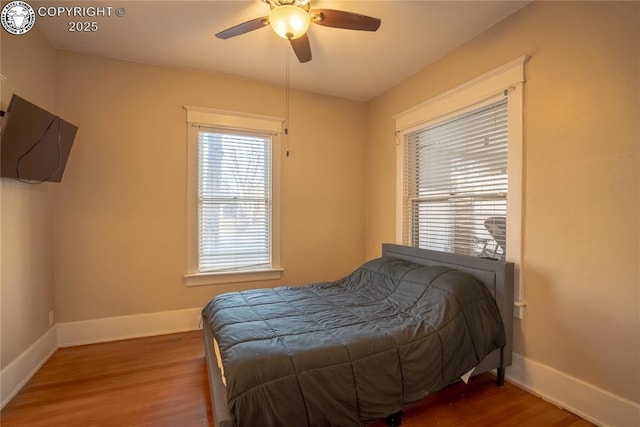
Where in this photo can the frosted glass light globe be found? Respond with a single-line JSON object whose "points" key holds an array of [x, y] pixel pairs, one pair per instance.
{"points": [[289, 22]]}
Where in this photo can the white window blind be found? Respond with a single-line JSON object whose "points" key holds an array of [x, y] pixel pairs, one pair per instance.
{"points": [[234, 201], [455, 186]]}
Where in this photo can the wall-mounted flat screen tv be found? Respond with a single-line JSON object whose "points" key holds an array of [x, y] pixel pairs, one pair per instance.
{"points": [[34, 143]]}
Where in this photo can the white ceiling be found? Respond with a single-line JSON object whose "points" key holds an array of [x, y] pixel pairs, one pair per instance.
{"points": [[351, 64]]}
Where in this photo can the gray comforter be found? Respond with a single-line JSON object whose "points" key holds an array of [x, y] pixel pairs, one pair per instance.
{"points": [[347, 352]]}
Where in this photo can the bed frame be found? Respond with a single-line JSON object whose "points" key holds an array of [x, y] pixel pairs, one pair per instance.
{"points": [[497, 276]]}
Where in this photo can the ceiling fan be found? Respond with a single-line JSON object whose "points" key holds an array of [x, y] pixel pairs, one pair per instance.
{"points": [[290, 19]]}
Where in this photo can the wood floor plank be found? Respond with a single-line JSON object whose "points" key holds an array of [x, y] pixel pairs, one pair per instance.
{"points": [[162, 381]]}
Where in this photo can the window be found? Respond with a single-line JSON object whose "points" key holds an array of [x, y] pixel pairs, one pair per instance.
{"points": [[459, 163], [455, 187], [233, 197], [234, 201]]}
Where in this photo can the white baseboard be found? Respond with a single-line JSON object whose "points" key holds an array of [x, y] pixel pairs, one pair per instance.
{"points": [[125, 327], [16, 374], [585, 400]]}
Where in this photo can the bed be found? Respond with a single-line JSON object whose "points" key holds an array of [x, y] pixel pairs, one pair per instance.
{"points": [[361, 348]]}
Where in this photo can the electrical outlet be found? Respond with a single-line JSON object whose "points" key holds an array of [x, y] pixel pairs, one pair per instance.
{"points": [[51, 318]]}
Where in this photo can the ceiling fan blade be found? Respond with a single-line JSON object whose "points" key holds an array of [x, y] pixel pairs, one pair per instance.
{"points": [[243, 28], [346, 20], [302, 48]]}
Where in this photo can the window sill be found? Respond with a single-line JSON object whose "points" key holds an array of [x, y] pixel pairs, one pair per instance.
{"points": [[204, 279]]}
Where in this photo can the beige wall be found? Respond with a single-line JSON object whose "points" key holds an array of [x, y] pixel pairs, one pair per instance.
{"points": [[581, 171], [26, 284], [120, 213]]}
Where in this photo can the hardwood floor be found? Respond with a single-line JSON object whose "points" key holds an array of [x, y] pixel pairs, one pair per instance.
{"points": [[162, 381], [155, 381]]}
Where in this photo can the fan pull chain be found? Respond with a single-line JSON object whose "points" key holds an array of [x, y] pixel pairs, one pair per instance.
{"points": [[287, 100]]}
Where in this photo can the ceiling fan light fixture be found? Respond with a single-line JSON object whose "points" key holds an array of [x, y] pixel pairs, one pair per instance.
{"points": [[289, 22]]}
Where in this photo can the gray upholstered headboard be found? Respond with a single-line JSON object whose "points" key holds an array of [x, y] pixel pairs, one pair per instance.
{"points": [[497, 276]]}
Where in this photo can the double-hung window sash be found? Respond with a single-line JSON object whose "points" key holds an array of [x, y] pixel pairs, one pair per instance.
{"points": [[456, 184], [234, 201]]}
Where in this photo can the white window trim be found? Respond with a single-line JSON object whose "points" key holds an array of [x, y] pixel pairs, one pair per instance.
{"points": [[466, 97], [201, 116]]}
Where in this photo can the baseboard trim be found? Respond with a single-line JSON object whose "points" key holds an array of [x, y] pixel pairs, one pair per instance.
{"points": [[585, 400], [17, 373], [125, 327]]}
